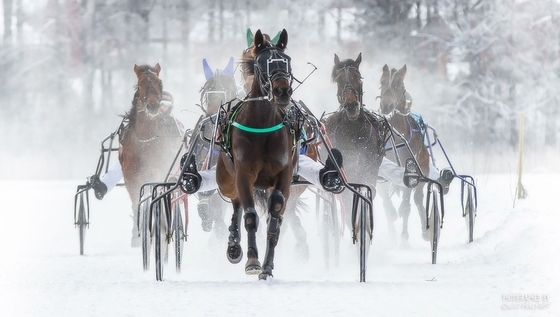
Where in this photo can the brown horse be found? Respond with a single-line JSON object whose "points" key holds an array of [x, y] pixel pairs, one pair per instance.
{"points": [[395, 103], [294, 204], [149, 138], [258, 152], [360, 134]]}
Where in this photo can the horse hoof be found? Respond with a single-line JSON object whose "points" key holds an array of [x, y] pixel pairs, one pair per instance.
{"points": [[405, 245], [135, 242], [425, 234], [253, 267], [234, 254], [264, 276], [392, 216]]}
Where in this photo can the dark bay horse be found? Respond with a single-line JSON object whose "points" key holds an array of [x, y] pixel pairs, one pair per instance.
{"points": [[294, 204], [258, 151], [360, 134], [149, 138], [395, 103], [218, 89]]}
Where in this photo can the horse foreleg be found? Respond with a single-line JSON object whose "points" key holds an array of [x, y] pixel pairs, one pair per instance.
{"points": [[234, 250], [419, 201], [253, 266], [404, 212], [275, 206]]}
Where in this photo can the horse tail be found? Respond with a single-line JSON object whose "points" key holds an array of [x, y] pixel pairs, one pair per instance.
{"points": [[301, 206], [261, 201]]}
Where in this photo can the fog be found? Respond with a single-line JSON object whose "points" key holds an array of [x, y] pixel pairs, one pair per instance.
{"points": [[473, 69]]}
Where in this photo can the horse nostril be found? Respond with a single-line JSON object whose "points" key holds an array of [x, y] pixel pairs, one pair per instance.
{"points": [[283, 91], [153, 106]]}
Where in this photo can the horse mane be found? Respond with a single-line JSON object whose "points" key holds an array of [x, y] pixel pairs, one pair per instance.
{"points": [[130, 115], [247, 61], [248, 56], [341, 65]]}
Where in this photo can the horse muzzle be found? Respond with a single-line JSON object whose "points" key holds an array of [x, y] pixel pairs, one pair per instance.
{"points": [[153, 110], [282, 96], [352, 110], [387, 109]]}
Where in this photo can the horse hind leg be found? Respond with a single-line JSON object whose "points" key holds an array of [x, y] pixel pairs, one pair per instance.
{"points": [[217, 207], [390, 211], [276, 204], [234, 251]]}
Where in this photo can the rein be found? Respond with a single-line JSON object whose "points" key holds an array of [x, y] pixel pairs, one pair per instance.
{"points": [[215, 86]]}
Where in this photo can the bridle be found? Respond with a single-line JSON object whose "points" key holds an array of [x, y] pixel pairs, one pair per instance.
{"points": [[397, 99], [150, 87], [347, 83], [215, 87], [272, 64]]}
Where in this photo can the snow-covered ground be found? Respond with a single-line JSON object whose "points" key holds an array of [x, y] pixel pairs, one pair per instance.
{"points": [[509, 270]]}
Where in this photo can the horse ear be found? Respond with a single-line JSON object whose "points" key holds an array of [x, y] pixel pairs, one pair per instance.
{"points": [[157, 69], [336, 59], [249, 36], [283, 40], [385, 68], [275, 39], [402, 71], [137, 69], [207, 70], [359, 59], [258, 38], [228, 71]]}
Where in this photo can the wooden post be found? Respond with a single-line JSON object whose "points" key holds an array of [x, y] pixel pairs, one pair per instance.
{"points": [[520, 190]]}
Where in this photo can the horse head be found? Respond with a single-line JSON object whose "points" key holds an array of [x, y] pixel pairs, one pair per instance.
{"points": [[149, 89], [219, 87], [272, 69], [347, 76], [393, 93], [248, 53]]}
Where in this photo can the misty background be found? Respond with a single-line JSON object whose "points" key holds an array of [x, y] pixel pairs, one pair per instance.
{"points": [[474, 68]]}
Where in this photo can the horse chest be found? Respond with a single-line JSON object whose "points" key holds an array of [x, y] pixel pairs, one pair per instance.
{"points": [[352, 134], [254, 149]]}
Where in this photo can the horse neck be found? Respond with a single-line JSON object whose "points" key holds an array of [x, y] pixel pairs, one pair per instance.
{"points": [[145, 127], [406, 126], [259, 112]]}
